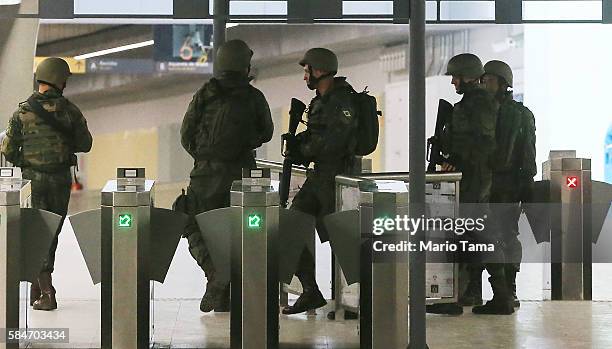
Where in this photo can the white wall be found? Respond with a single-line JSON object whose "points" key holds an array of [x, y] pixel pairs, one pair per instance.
{"points": [[567, 86]]}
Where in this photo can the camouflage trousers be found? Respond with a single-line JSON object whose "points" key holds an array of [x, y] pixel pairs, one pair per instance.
{"points": [[317, 197], [206, 193], [50, 192]]}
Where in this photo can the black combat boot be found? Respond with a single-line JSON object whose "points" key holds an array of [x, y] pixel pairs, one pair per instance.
{"points": [[310, 299], [501, 304], [34, 292], [473, 293], [223, 305], [444, 308], [213, 297], [511, 282], [47, 299]]}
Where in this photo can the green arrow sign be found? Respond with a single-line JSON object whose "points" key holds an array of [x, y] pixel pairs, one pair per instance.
{"points": [[125, 220], [254, 221]]}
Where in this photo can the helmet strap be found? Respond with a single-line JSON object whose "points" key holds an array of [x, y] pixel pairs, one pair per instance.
{"points": [[314, 81]]}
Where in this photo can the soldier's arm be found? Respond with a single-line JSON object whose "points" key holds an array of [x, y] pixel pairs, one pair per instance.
{"points": [[190, 124], [264, 124], [13, 141], [528, 165], [82, 139]]}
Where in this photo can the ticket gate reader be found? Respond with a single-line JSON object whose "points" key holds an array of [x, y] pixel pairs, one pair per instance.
{"points": [[569, 212], [25, 237], [383, 278], [255, 244], [126, 244]]}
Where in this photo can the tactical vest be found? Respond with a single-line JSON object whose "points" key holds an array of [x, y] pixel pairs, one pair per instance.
{"points": [[44, 147], [509, 136], [337, 113], [473, 126]]}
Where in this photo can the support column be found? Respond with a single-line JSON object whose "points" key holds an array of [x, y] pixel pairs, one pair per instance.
{"points": [[17, 50], [416, 135], [221, 15]]}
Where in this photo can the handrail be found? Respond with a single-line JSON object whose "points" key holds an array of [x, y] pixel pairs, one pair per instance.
{"points": [[278, 167], [353, 181]]}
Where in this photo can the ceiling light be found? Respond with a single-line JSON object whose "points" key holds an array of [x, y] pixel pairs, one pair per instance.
{"points": [[115, 50]]}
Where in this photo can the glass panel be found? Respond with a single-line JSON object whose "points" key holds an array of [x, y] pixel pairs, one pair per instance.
{"points": [[258, 8], [467, 10], [562, 10], [367, 7], [122, 7]]}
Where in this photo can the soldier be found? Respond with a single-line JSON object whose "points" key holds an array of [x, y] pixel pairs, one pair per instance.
{"points": [[226, 120], [42, 138], [514, 167], [329, 142], [470, 143]]}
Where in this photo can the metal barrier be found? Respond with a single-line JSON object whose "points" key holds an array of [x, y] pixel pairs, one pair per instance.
{"points": [[116, 241], [441, 188], [25, 237], [245, 243], [361, 166], [570, 215]]}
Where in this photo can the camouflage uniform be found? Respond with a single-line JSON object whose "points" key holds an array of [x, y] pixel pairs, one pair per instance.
{"points": [[212, 177], [329, 142], [515, 168], [45, 155], [471, 142]]}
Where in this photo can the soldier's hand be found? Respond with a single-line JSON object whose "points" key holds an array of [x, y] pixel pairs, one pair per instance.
{"points": [[291, 143], [446, 167]]}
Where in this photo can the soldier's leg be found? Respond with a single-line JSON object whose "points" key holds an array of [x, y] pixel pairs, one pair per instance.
{"points": [[311, 298], [202, 198], [38, 198], [56, 198], [501, 304], [494, 261], [513, 250], [472, 280]]}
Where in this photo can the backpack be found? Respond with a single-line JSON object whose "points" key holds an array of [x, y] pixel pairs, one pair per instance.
{"points": [[227, 125], [367, 123]]}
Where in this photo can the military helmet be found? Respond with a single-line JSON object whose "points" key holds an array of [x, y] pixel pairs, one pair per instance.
{"points": [[234, 55], [500, 69], [321, 58], [466, 65], [54, 71]]}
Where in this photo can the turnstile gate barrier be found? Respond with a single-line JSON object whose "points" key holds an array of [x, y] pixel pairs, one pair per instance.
{"points": [[569, 212], [383, 279], [245, 243], [127, 244], [25, 237]]}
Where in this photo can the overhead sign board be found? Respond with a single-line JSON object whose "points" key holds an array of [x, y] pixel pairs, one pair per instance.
{"points": [[76, 66]]}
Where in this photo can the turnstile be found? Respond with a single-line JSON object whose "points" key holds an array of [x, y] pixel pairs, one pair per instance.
{"points": [[25, 237], [245, 241], [569, 212], [442, 286], [382, 277], [127, 244]]}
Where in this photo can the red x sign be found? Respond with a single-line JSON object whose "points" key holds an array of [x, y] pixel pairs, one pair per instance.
{"points": [[572, 182]]}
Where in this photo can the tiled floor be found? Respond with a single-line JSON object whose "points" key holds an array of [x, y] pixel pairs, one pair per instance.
{"points": [[179, 324]]}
